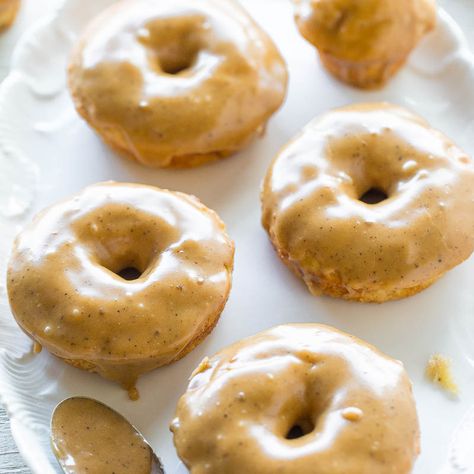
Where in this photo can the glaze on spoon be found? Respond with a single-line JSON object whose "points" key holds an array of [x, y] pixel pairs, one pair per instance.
{"points": [[88, 437]]}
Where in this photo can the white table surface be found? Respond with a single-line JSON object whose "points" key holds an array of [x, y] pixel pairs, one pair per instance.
{"points": [[10, 460]]}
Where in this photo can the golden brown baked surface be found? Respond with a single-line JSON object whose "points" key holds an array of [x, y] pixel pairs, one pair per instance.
{"points": [[8, 12], [176, 82], [353, 407], [314, 210], [70, 291], [364, 42]]}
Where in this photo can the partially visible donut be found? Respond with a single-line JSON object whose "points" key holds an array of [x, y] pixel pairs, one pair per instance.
{"points": [[176, 82], [319, 209], [298, 399], [364, 43], [121, 278], [8, 12]]}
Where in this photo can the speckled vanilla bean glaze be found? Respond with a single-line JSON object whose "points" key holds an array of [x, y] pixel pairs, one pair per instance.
{"points": [[354, 407], [66, 293], [365, 42], [347, 248], [176, 82], [91, 438]]}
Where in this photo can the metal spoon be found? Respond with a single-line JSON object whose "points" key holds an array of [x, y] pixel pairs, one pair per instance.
{"points": [[74, 424]]}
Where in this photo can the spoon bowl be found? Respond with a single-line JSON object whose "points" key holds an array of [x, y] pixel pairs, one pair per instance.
{"points": [[87, 436]]}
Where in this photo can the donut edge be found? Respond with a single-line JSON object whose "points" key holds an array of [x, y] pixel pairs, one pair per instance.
{"points": [[8, 17]]}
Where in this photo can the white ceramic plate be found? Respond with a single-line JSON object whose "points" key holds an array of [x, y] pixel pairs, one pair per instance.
{"points": [[47, 152]]}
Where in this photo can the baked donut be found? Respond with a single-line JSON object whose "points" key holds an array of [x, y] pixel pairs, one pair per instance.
{"points": [[364, 43], [8, 12], [121, 278], [176, 82], [298, 399], [370, 203]]}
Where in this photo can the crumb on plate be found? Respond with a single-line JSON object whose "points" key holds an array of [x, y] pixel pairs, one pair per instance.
{"points": [[438, 371]]}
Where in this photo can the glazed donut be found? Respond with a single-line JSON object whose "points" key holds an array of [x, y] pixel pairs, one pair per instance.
{"points": [[364, 43], [298, 399], [121, 278], [8, 12], [176, 82], [320, 213]]}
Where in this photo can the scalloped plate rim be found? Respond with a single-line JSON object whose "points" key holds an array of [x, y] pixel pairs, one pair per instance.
{"points": [[7, 395]]}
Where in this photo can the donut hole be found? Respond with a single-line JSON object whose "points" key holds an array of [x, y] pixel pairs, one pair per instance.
{"points": [[300, 428], [129, 265], [373, 196], [173, 44], [124, 241], [175, 63], [128, 258], [125, 258], [130, 273]]}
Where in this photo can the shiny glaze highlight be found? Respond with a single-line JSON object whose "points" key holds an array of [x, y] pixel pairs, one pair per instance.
{"points": [[354, 405], [66, 293], [346, 248], [176, 82]]}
